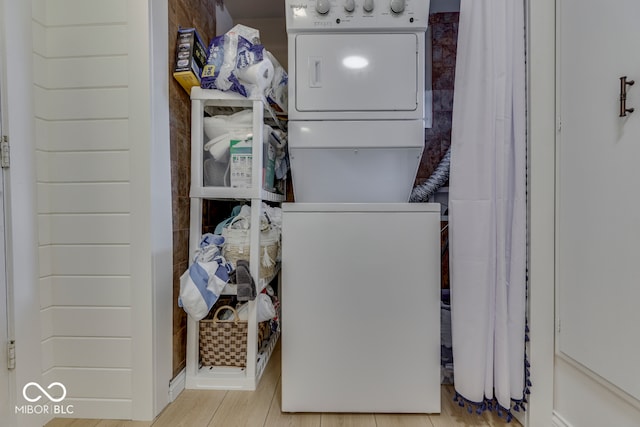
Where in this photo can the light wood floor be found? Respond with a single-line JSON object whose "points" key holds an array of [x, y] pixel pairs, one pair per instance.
{"points": [[261, 408]]}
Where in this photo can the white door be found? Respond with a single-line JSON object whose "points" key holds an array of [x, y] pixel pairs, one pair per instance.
{"points": [[598, 192], [4, 334]]}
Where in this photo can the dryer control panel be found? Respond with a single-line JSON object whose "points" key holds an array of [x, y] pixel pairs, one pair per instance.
{"points": [[356, 15]]}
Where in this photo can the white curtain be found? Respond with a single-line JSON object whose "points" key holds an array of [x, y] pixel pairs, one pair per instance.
{"points": [[487, 211]]}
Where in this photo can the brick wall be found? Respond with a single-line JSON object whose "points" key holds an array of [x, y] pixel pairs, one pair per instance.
{"points": [[444, 30], [201, 15]]}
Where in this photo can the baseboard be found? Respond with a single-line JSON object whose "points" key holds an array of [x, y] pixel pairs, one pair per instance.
{"points": [[558, 421], [177, 384]]}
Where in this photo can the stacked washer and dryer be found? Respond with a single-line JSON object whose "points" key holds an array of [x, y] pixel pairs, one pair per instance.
{"points": [[360, 265]]}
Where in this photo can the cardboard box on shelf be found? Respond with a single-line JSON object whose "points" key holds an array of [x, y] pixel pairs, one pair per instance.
{"points": [[241, 158], [191, 56]]}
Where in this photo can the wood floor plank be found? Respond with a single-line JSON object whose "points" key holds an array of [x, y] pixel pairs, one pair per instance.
{"points": [[348, 420], [277, 418], [79, 422], [262, 408], [192, 408], [493, 420], [457, 415], [402, 420], [249, 408], [442, 420], [71, 422], [122, 423]]}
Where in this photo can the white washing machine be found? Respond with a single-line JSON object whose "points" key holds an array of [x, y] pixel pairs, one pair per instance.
{"points": [[360, 266], [361, 307]]}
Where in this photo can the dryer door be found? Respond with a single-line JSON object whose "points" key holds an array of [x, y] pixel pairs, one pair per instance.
{"points": [[356, 72]]}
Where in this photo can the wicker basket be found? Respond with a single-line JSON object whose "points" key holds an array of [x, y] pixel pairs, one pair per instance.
{"points": [[237, 246], [223, 342]]}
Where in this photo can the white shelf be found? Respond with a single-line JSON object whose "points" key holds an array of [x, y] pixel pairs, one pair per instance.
{"points": [[205, 377], [216, 100], [220, 98], [229, 193], [227, 378], [204, 98]]}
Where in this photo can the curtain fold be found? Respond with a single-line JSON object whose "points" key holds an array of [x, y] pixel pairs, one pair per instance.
{"points": [[487, 211]]}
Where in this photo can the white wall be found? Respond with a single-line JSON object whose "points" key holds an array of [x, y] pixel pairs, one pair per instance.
{"points": [[103, 250], [444, 6], [224, 21], [84, 202]]}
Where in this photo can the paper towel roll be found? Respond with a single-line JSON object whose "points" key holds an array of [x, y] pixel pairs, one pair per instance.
{"points": [[259, 75]]}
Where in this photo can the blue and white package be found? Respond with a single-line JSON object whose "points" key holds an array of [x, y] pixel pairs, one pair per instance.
{"points": [[228, 53]]}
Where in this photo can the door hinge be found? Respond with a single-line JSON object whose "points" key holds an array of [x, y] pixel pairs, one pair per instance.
{"points": [[4, 152], [11, 354]]}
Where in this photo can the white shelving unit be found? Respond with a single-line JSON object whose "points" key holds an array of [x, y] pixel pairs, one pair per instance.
{"points": [[210, 377]]}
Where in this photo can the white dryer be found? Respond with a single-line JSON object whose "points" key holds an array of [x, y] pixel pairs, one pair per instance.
{"points": [[356, 98]]}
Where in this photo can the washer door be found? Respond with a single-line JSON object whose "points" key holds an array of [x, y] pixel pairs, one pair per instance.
{"points": [[356, 72]]}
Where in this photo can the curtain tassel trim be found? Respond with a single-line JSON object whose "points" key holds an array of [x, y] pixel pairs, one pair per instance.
{"points": [[490, 405], [517, 405]]}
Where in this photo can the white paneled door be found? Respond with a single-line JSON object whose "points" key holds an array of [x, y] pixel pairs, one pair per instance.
{"points": [[4, 329], [598, 189]]}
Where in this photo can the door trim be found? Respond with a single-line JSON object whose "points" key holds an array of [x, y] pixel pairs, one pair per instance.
{"points": [[6, 291], [541, 74]]}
